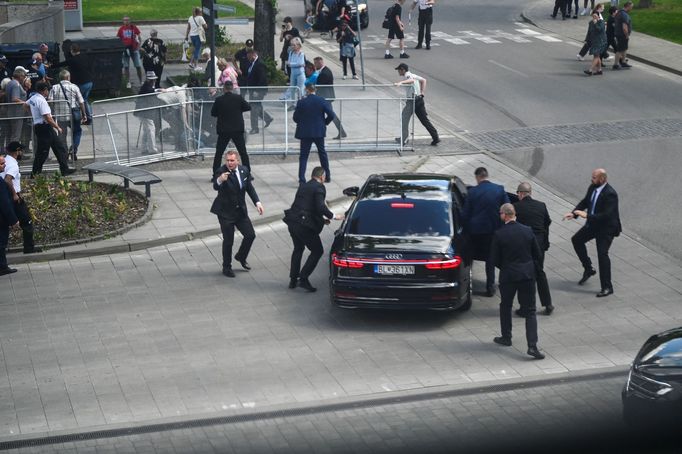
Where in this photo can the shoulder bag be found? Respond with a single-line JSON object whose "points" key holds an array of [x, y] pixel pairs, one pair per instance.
{"points": [[75, 111]]}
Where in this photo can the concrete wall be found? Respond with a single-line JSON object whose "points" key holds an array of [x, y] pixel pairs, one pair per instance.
{"points": [[31, 22]]}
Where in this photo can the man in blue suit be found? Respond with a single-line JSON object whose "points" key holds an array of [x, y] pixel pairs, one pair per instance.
{"points": [[481, 218], [312, 115], [7, 219]]}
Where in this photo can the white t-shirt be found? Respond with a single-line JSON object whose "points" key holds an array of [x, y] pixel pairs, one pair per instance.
{"points": [[39, 107], [414, 87], [12, 168], [195, 24]]}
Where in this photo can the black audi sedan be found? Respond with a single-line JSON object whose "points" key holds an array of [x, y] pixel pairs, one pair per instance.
{"points": [[401, 245], [652, 395]]}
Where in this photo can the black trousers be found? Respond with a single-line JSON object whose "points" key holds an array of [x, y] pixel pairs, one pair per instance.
{"points": [[526, 291], [243, 224], [481, 251], [425, 20], [542, 284], [304, 237], [306, 145], [559, 5], [581, 237], [4, 240], [46, 138], [26, 223], [257, 111], [419, 108], [239, 143]]}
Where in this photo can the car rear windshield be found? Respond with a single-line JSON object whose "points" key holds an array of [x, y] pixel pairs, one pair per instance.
{"points": [[401, 217]]}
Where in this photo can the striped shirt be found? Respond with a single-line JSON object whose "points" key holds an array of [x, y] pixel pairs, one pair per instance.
{"points": [[74, 97]]}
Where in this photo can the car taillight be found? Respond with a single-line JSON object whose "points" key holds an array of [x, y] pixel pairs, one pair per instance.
{"points": [[402, 205], [342, 262], [444, 264]]}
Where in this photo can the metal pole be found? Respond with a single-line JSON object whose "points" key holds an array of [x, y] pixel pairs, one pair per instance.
{"points": [[362, 60]]}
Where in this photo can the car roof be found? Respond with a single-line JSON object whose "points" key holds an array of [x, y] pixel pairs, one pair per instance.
{"points": [[420, 185]]}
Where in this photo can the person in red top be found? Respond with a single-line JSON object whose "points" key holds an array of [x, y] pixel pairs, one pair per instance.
{"points": [[129, 35]]}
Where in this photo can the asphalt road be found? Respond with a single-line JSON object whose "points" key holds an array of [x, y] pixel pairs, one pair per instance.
{"points": [[487, 71]]}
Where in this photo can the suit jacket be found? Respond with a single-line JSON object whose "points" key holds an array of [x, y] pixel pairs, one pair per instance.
{"points": [[312, 115], [258, 77], [481, 211], [230, 203], [310, 203], [7, 216], [229, 108], [326, 78], [606, 218], [515, 252], [534, 214]]}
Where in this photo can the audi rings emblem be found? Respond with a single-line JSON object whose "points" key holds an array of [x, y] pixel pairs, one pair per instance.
{"points": [[394, 256]]}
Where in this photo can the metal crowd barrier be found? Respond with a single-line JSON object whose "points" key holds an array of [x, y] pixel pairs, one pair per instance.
{"points": [[178, 123], [16, 123]]}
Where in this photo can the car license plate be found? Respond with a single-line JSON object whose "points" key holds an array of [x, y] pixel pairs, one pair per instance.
{"points": [[394, 269]]}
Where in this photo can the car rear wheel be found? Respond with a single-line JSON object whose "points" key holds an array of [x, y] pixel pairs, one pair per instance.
{"points": [[467, 296]]}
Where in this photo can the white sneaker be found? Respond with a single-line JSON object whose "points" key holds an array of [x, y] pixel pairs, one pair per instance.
{"points": [[128, 85], [608, 58], [579, 57], [345, 77]]}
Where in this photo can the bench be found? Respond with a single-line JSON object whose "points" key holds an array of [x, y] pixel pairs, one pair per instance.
{"points": [[137, 176]]}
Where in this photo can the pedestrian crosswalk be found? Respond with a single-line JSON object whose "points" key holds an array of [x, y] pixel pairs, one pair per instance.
{"points": [[519, 34]]}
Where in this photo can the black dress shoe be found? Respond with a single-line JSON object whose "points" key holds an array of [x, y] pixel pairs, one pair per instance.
{"points": [[418, 46], [490, 292], [243, 263], [549, 309], [586, 275], [604, 292], [328, 179], [535, 353], [68, 172], [267, 123], [228, 272], [34, 250], [305, 283], [254, 131], [520, 313], [293, 282], [7, 270], [435, 142], [503, 341], [428, 47]]}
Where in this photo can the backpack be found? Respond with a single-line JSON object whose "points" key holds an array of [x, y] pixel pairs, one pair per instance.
{"points": [[387, 18]]}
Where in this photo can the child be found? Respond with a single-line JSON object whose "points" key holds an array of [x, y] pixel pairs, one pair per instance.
{"points": [[309, 22]]}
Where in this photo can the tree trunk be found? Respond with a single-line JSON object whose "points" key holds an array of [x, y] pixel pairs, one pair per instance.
{"points": [[264, 27]]}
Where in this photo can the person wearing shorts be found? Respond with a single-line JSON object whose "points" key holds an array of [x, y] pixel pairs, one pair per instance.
{"points": [[129, 35], [396, 30], [622, 29]]}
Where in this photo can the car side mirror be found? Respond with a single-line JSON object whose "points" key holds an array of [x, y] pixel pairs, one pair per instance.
{"points": [[351, 191]]}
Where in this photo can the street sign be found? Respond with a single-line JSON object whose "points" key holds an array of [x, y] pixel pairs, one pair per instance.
{"points": [[232, 21], [225, 8]]}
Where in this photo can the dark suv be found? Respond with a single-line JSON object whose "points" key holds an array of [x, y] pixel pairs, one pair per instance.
{"points": [[401, 245]]}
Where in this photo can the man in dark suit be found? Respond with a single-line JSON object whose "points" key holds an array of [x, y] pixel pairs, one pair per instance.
{"points": [[229, 108], [325, 88], [534, 214], [305, 219], [257, 81], [242, 59], [481, 219], [233, 182], [515, 252], [599, 208], [312, 115], [7, 219]]}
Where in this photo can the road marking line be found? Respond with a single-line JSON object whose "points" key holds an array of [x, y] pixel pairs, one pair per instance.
{"points": [[457, 41], [549, 39], [527, 31], [488, 40], [507, 68]]}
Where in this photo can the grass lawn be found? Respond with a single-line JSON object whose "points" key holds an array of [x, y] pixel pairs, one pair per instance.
{"points": [[114, 10], [663, 20]]}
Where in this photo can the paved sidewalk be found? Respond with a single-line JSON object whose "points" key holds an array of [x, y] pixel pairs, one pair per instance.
{"points": [[643, 48], [159, 334]]}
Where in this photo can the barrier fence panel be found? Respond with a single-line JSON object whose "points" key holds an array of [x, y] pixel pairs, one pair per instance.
{"points": [[16, 123], [178, 123]]}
